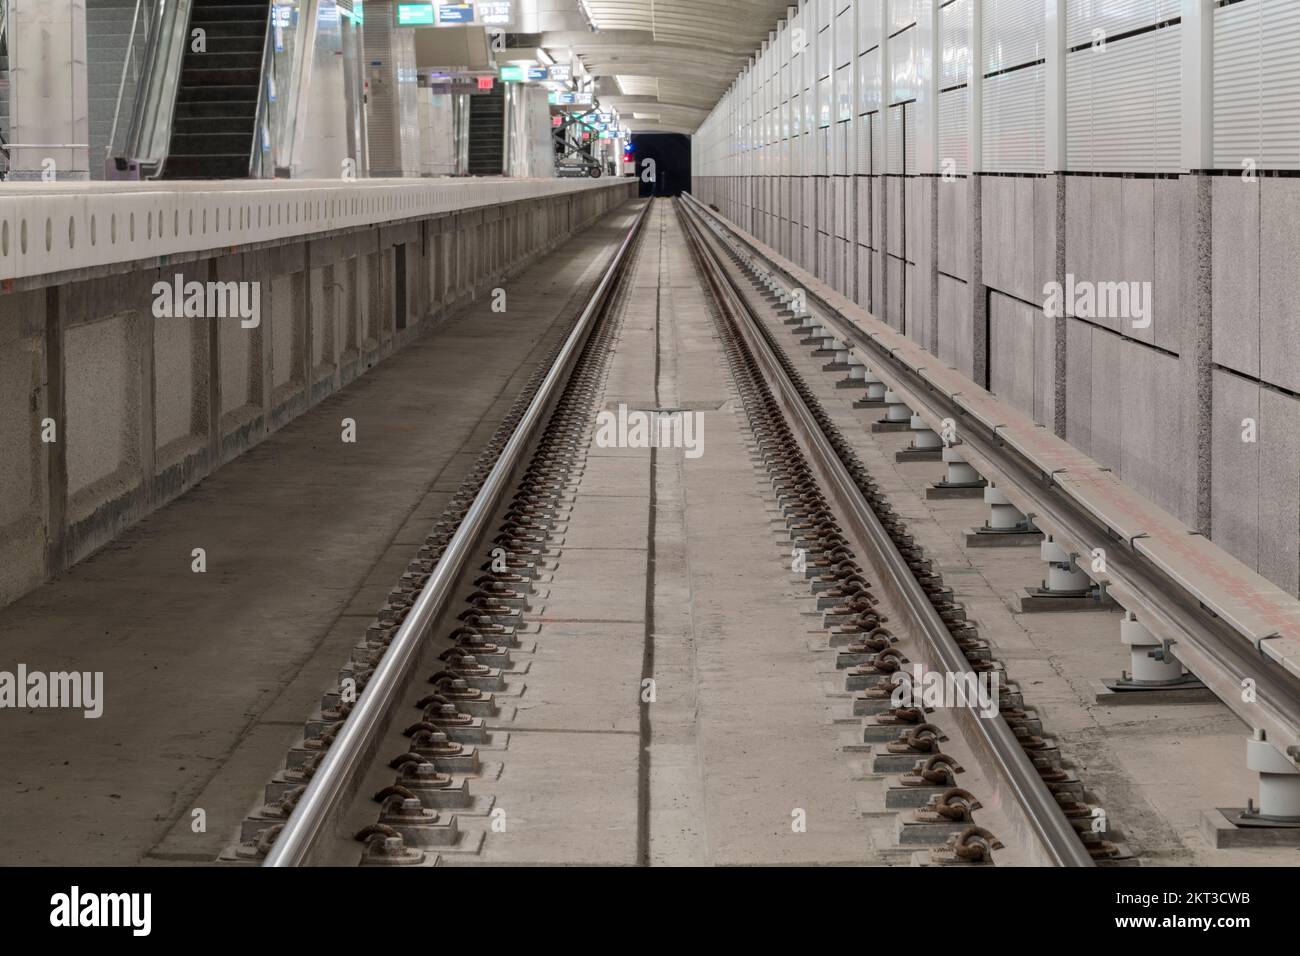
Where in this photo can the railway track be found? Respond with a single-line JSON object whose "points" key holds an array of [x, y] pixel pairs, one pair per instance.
{"points": [[320, 809], [398, 766], [846, 530]]}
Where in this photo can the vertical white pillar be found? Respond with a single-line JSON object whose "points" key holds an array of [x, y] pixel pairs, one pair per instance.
{"points": [[886, 95], [930, 50], [1054, 83], [49, 116], [975, 122], [1198, 84]]}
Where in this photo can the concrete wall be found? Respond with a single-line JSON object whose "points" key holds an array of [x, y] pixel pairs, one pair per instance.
{"points": [[108, 412]]}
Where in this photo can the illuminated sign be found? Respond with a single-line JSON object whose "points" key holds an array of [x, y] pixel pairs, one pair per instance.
{"points": [[485, 83], [537, 73], [415, 14], [567, 99], [455, 14], [512, 74], [494, 12], [561, 74]]}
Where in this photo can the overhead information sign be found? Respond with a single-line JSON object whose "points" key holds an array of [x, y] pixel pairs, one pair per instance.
{"points": [[494, 13], [446, 13], [415, 14], [455, 14]]}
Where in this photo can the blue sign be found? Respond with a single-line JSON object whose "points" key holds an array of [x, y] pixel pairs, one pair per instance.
{"points": [[452, 14], [538, 73]]}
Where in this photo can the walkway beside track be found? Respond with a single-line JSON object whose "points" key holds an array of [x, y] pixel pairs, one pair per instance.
{"points": [[207, 676]]}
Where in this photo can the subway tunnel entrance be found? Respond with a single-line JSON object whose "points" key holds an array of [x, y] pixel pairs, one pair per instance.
{"points": [[671, 153]]}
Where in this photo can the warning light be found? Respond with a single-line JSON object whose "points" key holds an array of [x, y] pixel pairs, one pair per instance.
{"points": [[485, 83]]}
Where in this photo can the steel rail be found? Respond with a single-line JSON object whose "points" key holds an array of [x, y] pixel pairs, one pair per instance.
{"points": [[1041, 824], [1222, 655], [325, 800]]}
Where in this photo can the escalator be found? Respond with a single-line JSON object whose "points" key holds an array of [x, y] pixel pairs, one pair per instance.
{"points": [[487, 129], [214, 125]]}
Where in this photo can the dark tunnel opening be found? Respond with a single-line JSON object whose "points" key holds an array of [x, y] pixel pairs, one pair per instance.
{"points": [[671, 156]]}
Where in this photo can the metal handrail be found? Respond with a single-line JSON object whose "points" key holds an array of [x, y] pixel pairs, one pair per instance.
{"points": [[121, 83], [323, 801], [149, 136], [261, 119]]}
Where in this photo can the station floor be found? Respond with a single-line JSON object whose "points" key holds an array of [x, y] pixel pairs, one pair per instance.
{"points": [[208, 677]]}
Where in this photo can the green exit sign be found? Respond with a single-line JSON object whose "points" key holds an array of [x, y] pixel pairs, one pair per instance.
{"points": [[415, 14], [512, 74]]}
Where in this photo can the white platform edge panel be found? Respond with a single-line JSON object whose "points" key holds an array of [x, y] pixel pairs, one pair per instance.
{"points": [[48, 228]]}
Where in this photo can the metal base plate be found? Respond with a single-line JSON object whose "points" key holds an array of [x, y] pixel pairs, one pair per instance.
{"points": [[980, 538], [1221, 831]]}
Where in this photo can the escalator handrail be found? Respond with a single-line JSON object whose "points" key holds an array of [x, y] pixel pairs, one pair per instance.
{"points": [[148, 140]]}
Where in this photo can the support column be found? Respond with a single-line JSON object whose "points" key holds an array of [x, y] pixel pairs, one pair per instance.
{"points": [[1057, 164], [960, 480], [49, 117], [1197, 217], [1007, 525], [975, 288]]}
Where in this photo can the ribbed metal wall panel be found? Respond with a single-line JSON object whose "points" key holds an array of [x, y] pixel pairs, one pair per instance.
{"points": [[1238, 83], [877, 143], [954, 44], [844, 106], [1013, 140], [844, 38], [902, 140], [904, 66], [1169, 99], [954, 127], [1280, 91], [849, 137], [869, 82], [909, 140], [863, 129], [825, 52], [902, 13], [1123, 104], [825, 101], [1113, 17], [894, 161], [1014, 33], [869, 16]]}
